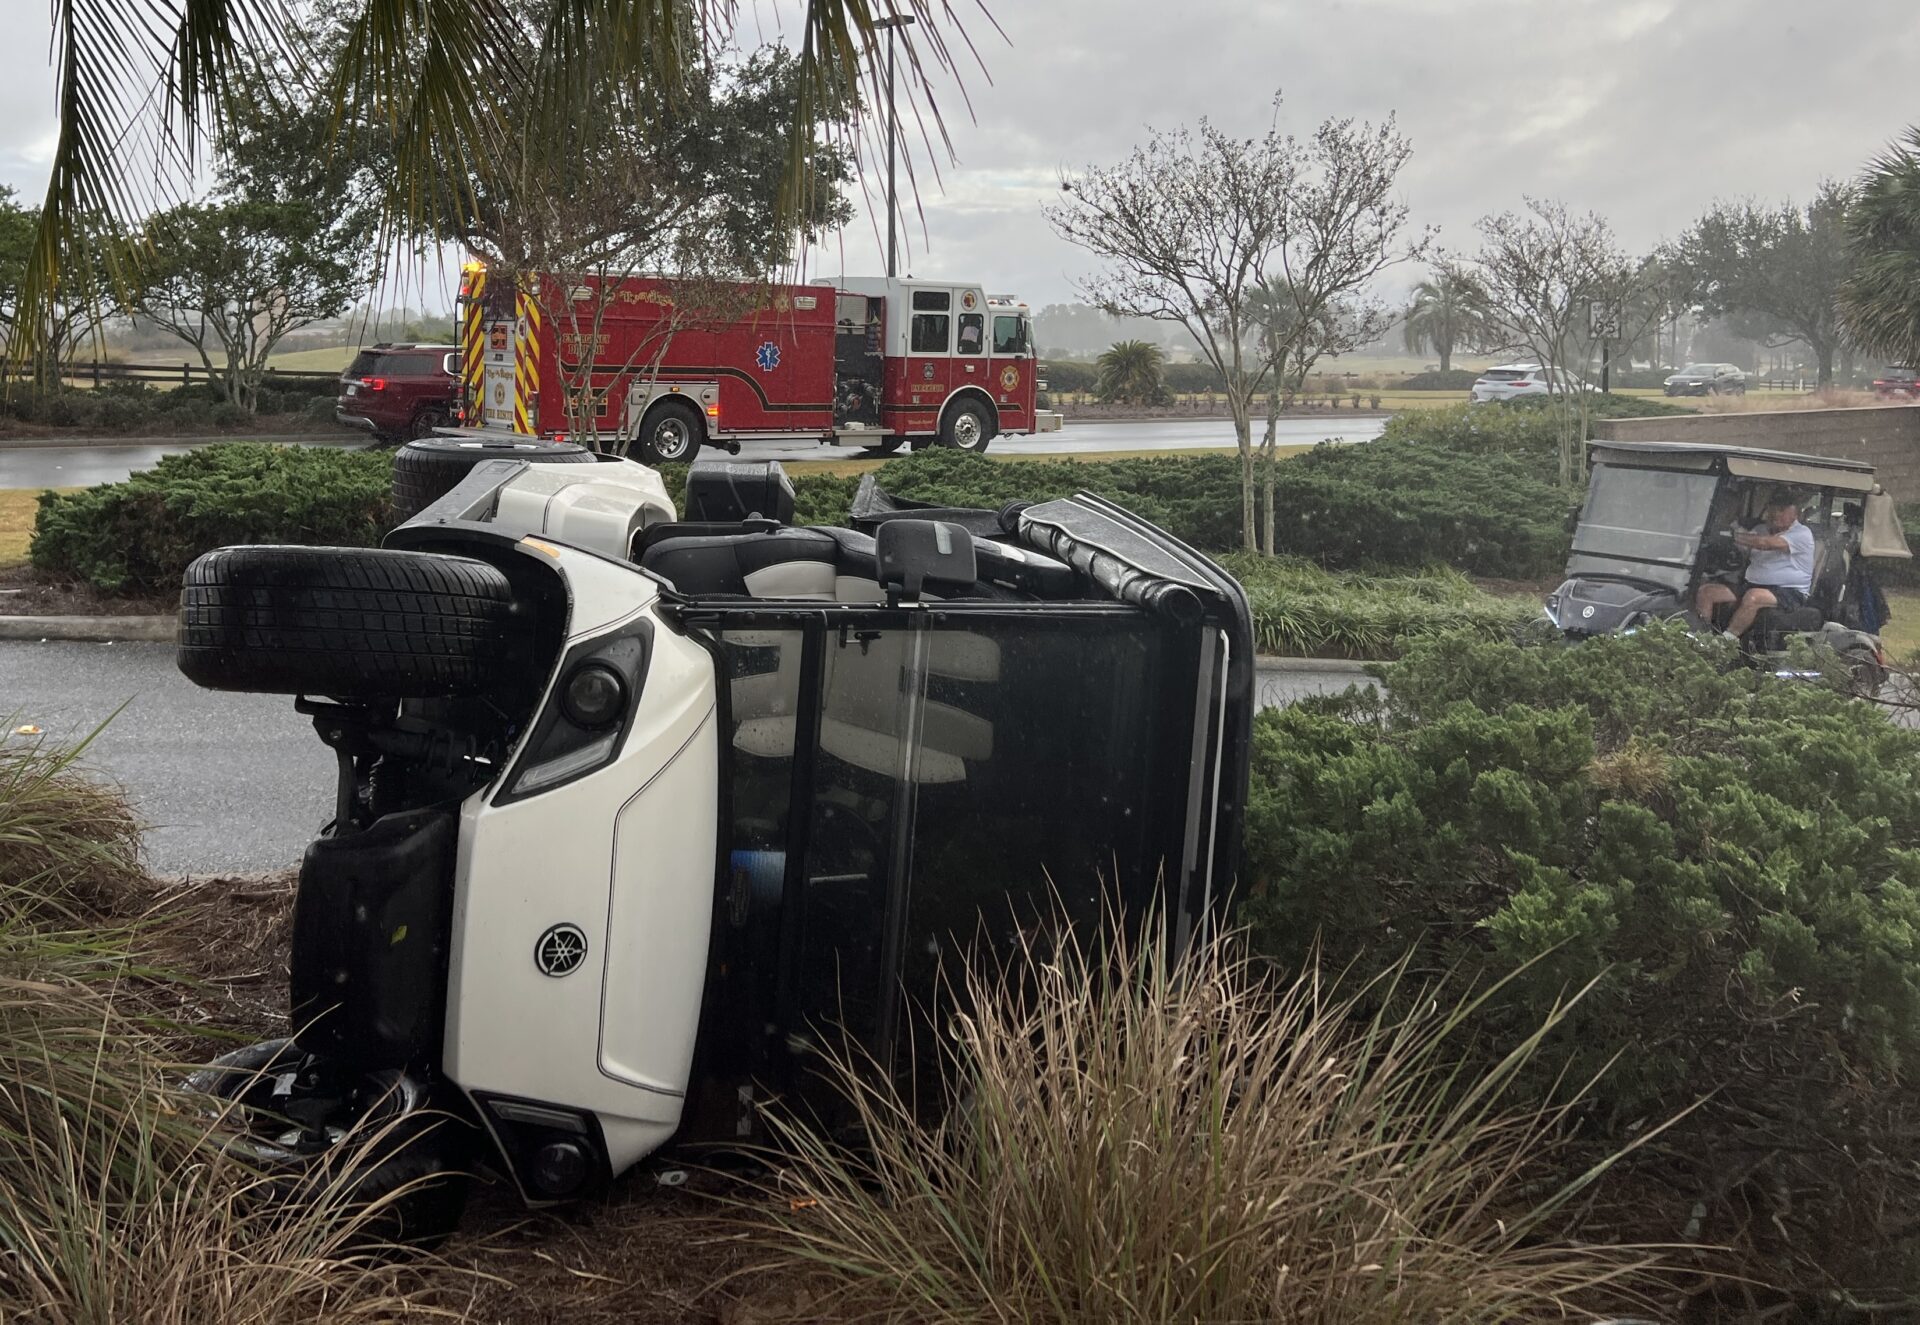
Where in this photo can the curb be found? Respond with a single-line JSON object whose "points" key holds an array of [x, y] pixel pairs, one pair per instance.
{"points": [[132, 443], [150, 629], [1273, 662]]}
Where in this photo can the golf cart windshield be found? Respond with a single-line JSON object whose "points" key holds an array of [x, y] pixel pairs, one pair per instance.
{"points": [[1643, 523]]}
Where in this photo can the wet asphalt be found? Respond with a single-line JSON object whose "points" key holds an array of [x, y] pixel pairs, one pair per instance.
{"points": [[234, 783], [82, 466]]}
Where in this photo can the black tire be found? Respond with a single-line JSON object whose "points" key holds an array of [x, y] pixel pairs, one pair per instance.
{"points": [[352, 623], [966, 428], [410, 1159], [425, 471], [671, 433], [424, 422]]}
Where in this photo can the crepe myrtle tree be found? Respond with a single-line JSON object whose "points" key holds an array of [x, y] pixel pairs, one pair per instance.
{"points": [[1534, 281], [1778, 271], [1344, 226], [1195, 223]]}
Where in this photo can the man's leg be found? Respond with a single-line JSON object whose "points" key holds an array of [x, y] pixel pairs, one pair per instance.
{"points": [[1711, 595], [1750, 605]]}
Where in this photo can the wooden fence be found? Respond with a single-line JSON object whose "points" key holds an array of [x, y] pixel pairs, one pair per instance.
{"points": [[97, 373]]}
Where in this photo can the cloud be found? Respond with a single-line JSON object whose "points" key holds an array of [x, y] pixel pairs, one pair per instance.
{"points": [[1645, 111]]}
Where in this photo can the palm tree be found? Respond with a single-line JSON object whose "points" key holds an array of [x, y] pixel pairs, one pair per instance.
{"points": [[1130, 372], [1442, 317], [447, 86], [1880, 301]]}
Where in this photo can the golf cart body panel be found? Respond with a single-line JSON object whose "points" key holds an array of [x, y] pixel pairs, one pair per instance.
{"points": [[809, 792], [1658, 521]]}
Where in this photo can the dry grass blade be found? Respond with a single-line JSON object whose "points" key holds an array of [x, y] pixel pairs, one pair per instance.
{"points": [[67, 844], [1143, 1139]]}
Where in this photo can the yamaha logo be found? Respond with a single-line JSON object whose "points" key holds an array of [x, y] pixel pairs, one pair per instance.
{"points": [[1586, 612], [560, 951]]}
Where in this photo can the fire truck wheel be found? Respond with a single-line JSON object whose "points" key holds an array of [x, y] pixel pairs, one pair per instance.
{"points": [[671, 433], [966, 427], [350, 623], [425, 471]]}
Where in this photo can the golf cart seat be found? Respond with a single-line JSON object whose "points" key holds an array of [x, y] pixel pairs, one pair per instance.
{"points": [[814, 565]]}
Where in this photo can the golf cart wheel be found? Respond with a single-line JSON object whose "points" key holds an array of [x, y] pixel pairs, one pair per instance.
{"points": [[1868, 677], [966, 428], [426, 470], [350, 623], [371, 1136]]}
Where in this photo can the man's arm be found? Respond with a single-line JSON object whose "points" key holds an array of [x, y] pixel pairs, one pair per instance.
{"points": [[1762, 542]]}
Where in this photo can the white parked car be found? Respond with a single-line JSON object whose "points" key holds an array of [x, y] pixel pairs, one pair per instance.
{"points": [[1506, 381]]}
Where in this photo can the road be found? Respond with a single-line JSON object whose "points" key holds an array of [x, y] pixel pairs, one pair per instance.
{"points": [[227, 782], [84, 466], [233, 783]]}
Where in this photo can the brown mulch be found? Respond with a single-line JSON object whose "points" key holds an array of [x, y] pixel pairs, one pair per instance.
{"points": [[645, 1254], [25, 591]]}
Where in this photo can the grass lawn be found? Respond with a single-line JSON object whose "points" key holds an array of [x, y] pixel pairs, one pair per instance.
{"points": [[1902, 634], [17, 507], [314, 361]]}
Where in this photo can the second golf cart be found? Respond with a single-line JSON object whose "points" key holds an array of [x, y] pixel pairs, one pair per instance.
{"points": [[1659, 522]]}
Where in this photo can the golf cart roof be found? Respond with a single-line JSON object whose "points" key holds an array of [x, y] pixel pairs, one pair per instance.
{"points": [[1741, 462]]}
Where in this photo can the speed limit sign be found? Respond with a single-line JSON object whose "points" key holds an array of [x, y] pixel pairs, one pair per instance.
{"points": [[1603, 321]]}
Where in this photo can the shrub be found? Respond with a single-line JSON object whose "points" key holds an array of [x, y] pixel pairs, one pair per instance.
{"points": [[1734, 859], [1068, 376], [1148, 1139], [1395, 502], [1300, 609], [1528, 436], [139, 535], [1454, 379]]}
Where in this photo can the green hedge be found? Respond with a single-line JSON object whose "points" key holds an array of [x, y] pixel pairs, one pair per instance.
{"points": [[138, 536], [1401, 504], [1453, 379], [1734, 859]]}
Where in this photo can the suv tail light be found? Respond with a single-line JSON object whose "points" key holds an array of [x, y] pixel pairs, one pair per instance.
{"points": [[374, 383]]}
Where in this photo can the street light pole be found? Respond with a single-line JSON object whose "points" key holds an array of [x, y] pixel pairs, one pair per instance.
{"points": [[897, 21]]}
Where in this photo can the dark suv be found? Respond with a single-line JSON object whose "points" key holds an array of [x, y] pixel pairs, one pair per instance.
{"points": [[399, 392]]}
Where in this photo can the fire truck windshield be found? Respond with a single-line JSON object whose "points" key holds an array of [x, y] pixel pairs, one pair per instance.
{"points": [[1009, 334]]}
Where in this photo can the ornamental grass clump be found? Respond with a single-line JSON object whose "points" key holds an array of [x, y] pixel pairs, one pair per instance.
{"points": [[1144, 1138], [116, 1201]]}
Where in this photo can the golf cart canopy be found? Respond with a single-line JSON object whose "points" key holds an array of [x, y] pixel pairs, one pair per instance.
{"points": [[1740, 462], [1881, 534]]}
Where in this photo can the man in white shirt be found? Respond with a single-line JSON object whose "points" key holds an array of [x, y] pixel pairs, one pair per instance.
{"points": [[1779, 569]]}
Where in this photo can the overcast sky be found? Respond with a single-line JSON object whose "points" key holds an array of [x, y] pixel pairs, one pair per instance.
{"points": [[1643, 110]]}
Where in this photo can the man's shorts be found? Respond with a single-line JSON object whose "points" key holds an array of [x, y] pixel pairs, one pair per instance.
{"points": [[1790, 600]]}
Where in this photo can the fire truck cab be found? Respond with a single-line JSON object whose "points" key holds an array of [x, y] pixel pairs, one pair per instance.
{"points": [[873, 362]]}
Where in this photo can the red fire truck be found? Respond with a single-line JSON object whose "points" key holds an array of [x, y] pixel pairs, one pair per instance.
{"points": [[870, 362]]}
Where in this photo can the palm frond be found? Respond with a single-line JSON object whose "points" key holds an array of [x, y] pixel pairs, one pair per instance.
{"points": [[131, 80]]}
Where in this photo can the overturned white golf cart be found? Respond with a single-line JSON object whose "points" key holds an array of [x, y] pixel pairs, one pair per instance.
{"points": [[636, 814]]}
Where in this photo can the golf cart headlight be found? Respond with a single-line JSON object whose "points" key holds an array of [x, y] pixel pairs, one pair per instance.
{"points": [[593, 695], [580, 727]]}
